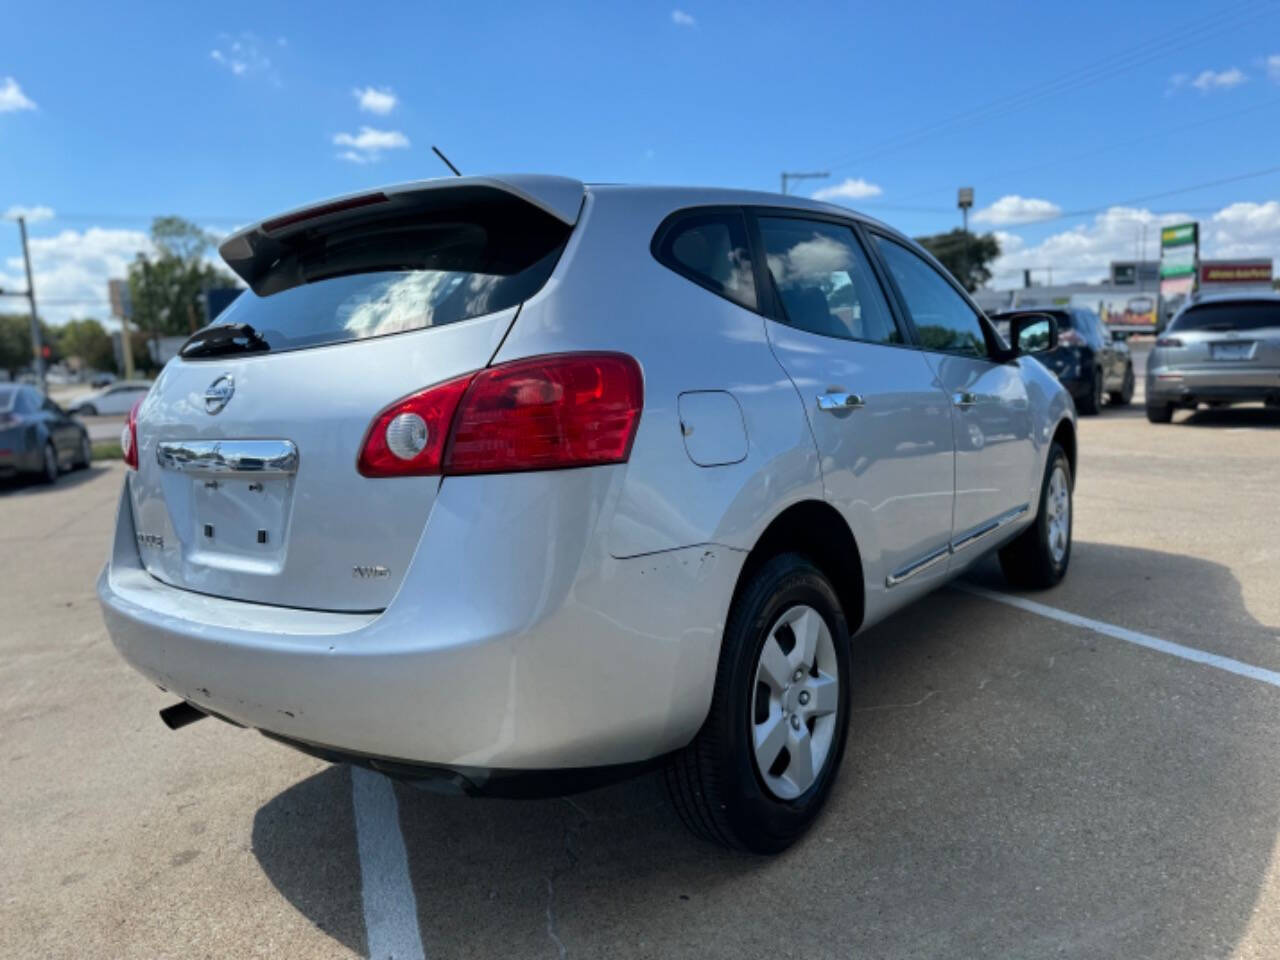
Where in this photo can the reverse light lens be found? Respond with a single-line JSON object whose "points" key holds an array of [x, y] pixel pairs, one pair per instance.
{"points": [[129, 437], [1070, 338], [1168, 342], [407, 435], [548, 413]]}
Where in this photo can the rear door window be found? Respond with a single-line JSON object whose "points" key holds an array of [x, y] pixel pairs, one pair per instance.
{"points": [[825, 281], [711, 249]]}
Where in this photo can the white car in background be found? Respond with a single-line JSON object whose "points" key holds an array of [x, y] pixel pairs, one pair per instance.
{"points": [[519, 484], [117, 398]]}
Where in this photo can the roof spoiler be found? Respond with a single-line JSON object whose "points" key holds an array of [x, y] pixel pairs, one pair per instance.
{"points": [[252, 251]]}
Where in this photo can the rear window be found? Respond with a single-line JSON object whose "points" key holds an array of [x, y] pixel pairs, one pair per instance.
{"points": [[1229, 315], [383, 277], [710, 248]]}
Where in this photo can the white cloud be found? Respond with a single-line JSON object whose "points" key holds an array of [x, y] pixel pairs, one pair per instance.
{"points": [[75, 266], [1209, 80], [367, 145], [682, 19], [1084, 253], [850, 189], [376, 101], [12, 98], [1273, 67], [31, 214], [241, 54], [1012, 208]]}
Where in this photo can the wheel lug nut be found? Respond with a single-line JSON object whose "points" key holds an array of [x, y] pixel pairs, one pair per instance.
{"points": [[795, 722], [795, 677], [804, 697]]}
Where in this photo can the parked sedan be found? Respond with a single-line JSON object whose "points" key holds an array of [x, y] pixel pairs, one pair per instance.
{"points": [[1090, 360], [119, 397], [635, 465], [1218, 350], [37, 436]]}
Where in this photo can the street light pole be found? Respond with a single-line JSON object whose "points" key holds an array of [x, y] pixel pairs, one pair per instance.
{"points": [[37, 346]]}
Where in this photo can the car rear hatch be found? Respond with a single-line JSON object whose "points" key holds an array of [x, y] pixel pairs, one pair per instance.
{"points": [[247, 484], [1236, 337]]}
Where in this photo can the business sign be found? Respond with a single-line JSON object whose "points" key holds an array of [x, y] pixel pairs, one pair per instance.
{"points": [[1124, 274], [1230, 272], [1124, 310], [1179, 250], [121, 301]]}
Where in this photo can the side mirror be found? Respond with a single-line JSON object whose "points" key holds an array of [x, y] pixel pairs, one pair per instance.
{"points": [[1033, 333]]}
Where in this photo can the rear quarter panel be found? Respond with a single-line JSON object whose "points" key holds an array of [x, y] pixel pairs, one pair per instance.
{"points": [[609, 293]]}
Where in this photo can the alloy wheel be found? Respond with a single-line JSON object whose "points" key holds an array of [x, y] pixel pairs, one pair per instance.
{"points": [[1058, 505], [797, 692]]}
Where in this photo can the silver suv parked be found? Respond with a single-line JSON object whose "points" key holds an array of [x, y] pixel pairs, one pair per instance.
{"points": [[1218, 350], [517, 484]]}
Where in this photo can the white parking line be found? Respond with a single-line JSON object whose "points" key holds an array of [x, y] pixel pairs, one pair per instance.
{"points": [[1129, 636], [390, 908]]}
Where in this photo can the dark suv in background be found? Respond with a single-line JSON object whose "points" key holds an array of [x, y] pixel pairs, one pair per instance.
{"points": [[1088, 360]]}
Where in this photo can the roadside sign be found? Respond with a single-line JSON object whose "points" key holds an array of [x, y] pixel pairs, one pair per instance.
{"points": [[1227, 271], [121, 300]]}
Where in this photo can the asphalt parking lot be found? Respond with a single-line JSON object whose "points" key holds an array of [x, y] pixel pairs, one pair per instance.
{"points": [[1016, 785]]}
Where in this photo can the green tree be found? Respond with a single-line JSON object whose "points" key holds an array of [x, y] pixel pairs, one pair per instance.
{"points": [[87, 340], [15, 342], [166, 285], [967, 255]]}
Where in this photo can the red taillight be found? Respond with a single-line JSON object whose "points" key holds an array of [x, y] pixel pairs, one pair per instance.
{"points": [[1070, 338], [545, 413], [435, 407], [129, 437], [1168, 342]]}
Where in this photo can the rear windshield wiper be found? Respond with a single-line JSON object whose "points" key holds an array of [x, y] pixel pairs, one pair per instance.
{"points": [[220, 339]]}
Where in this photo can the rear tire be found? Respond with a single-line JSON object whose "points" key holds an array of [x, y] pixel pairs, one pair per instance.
{"points": [[1092, 404], [1124, 396], [1160, 412], [86, 453], [49, 471], [87, 410], [716, 783], [1039, 556]]}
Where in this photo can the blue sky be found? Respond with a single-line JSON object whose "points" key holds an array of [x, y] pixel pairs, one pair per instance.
{"points": [[224, 112]]}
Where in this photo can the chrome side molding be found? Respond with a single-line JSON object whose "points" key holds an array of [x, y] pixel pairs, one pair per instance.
{"points": [[955, 546], [277, 457]]}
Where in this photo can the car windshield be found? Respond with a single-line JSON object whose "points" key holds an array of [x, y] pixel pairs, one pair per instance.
{"points": [[1229, 315], [8, 395]]}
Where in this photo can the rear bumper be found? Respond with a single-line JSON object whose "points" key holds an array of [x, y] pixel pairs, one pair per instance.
{"points": [[507, 647], [1189, 385]]}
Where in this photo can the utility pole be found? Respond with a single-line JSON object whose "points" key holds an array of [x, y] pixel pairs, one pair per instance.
{"points": [[37, 345], [964, 200], [787, 177]]}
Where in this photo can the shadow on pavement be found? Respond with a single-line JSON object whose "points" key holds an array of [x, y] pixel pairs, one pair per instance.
{"points": [[32, 484], [1250, 416], [1013, 787]]}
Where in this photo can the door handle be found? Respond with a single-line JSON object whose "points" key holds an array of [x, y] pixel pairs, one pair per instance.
{"points": [[964, 399], [832, 402]]}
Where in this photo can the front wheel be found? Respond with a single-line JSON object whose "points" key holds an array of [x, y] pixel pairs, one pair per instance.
{"points": [[1038, 557], [760, 769], [86, 453], [87, 410]]}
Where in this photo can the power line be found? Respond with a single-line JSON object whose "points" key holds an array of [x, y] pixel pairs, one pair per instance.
{"points": [[1193, 32]]}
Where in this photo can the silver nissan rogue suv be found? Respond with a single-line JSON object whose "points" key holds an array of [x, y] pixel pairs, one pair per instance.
{"points": [[516, 485]]}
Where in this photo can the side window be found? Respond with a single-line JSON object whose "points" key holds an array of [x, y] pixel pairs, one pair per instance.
{"points": [[711, 249], [825, 280], [943, 318]]}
